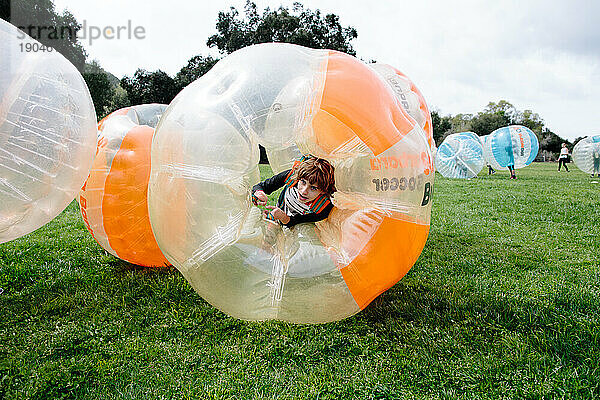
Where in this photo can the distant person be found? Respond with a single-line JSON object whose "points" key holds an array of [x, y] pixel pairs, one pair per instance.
{"points": [[491, 170], [596, 159], [511, 160], [513, 174], [563, 159]]}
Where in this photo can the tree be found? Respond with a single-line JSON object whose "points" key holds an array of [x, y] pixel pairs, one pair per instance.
{"points": [[105, 89], [440, 126], [195, 68], [460, 123], [298, 25], [529, 119], [101, 90], [551, 142], [119, 99], [494, 116], [150, 87], [39, 20], [5, 10]]}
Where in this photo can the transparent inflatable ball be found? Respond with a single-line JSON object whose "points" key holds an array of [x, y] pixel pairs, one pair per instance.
{"points": [[513, 145], [113, 201], [586, 155], [460, 156], [294, 101], [47, 134]]}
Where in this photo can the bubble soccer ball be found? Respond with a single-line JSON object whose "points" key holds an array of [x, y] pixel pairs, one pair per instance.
{"points": [[47, 134], [586, 154], [113, 201], [410, 97], [285, 97], [483, 139], [460, 156], [513, 145]]}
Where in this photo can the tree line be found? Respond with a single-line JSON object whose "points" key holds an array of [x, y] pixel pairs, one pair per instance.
{"points": [[498, 115], [235, 30]]}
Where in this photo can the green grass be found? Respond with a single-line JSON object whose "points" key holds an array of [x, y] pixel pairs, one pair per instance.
{"points": [[504, 302]]}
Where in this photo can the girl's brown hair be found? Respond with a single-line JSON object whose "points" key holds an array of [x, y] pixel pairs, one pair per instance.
{"points": [[319, 172]]}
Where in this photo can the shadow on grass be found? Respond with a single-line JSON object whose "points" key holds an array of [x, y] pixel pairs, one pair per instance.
{"points": [[122, 267]]}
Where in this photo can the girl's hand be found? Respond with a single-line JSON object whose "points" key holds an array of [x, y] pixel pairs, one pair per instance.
{"points": [[278, 214], [260, 198]]}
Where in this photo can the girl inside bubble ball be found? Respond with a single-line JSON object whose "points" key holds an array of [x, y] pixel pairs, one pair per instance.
{"points": [[308, 186]]}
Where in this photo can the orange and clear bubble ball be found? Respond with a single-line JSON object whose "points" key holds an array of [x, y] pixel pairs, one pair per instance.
{"points": [[292, 100], [410, 97], [113, 201]]}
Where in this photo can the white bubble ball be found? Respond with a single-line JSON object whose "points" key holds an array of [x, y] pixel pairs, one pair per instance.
{"points": [[47, 134], [460, 156], [586, 154]]}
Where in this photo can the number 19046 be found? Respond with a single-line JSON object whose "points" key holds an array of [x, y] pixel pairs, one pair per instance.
{"points": [[34, 48]]}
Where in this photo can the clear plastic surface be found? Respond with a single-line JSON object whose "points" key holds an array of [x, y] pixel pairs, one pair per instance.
{"points": [[513, 145], [410, 97], [47, 134], [460, 156], [586, 155], [293, 101], [113, 201]]}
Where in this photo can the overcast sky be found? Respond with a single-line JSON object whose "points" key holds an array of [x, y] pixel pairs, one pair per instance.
{"points": [[538, 55]]}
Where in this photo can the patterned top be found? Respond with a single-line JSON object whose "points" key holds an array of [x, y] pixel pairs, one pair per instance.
{"points": [[290, 203]]}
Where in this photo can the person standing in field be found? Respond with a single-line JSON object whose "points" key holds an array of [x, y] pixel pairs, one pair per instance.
{"points": [[596, 159], [511, 160], [564, 157]]}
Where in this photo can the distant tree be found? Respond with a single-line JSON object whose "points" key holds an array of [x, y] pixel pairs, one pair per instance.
{"points": [[440, 125], [577, 140], [195, 68], [119, 99], [149, 87], [5, 10], [551, 142], [529, 119], [502, 107], [494, 116], [298, 25], [39, 20], [105, 89], [460, 123], [100, 87]]}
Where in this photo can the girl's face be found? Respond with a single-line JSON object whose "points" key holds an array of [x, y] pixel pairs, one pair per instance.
{"points": [[307, 191]]}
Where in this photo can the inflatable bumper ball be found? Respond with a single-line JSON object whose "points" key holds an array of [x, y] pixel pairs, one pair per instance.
{"points": [[483, 139], [460, 156], [47, 133], [113, 201], [586, 155], [410, 98], [290, 99], [513, 145]]}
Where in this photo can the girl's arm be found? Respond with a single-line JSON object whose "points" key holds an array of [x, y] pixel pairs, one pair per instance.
{"points": [[271, 184]]}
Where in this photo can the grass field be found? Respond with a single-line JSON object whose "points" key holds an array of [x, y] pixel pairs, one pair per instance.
{"points": [[504, 302]]}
